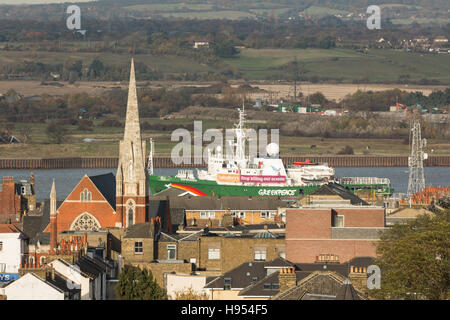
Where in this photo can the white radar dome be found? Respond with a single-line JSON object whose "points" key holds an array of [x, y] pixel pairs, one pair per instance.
{"points": [[272, 149]]}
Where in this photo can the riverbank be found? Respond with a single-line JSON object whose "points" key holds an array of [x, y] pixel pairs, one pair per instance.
{"points": [[166, 162]]}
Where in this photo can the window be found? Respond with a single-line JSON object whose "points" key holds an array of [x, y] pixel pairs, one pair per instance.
{"points": [[42, 260], [171, 252], [254, 279], [339, 221], [207, 214], [85, 222], [214, 254], [1, 246], [227, 284], [85, 196], [130, 213], [238, 214], [260, 254], [138, 247], [267, 215], [31, 261], [271, 286]]}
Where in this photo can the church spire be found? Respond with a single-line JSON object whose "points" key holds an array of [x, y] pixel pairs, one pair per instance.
{"points": [[53, 218], [131, 187], [132, 127]]}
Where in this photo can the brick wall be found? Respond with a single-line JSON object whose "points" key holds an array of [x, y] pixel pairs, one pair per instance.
{"points": [[128, 250], [159, 269], [235, 251], [362, 217], [72, 207], [10, 203], [305, 251], [309, 233], [308, 223]]}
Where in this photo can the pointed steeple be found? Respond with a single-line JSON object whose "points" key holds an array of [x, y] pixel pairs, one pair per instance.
{"points": [[132, 127], [53, 199], [131, 185], [53, 218]]}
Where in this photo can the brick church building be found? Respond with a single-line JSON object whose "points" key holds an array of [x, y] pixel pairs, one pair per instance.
{"points": [[104, 201]]}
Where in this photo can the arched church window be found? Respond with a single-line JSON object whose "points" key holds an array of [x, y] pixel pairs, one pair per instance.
{"points": [[85, 222], [42, 260], [31, 261], [130, 210], [85, 196]]}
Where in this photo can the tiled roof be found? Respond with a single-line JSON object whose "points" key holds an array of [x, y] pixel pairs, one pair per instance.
{"points": [[9, 228], [278, 262], [89, 267], [34, 225], [339, 190], [62, 283], [241, 276], [106, 184], [342, 269], [227, 203], [347, 292], [265, 235], [139, 230]]}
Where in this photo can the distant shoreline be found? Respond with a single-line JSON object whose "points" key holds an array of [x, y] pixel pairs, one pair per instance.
{"points": [[166, 162]]}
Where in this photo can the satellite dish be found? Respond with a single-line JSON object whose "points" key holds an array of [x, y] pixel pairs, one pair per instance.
{"points": [[219, 148], [272, 149], [425, 156]]}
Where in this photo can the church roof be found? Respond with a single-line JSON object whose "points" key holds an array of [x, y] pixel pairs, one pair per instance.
{"points": [[347, 292], [106, 184]]}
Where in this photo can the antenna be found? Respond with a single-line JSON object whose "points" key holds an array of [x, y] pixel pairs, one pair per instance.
{"points": [[150, 158], [415, 161]]}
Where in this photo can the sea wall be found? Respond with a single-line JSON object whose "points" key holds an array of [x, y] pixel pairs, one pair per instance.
{"points": [[166, 162]]}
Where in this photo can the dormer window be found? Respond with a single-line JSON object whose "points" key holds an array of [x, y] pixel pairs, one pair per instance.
{"points": [[85, 196]]}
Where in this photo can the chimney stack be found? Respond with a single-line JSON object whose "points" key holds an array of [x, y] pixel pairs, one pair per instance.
{"points": [[287, 279]]}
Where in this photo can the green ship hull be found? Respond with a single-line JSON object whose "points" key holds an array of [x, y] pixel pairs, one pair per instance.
{"points": [[212, 188]]}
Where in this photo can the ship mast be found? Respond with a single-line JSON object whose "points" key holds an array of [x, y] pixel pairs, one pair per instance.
{"points": [[240, 138], [150, 159]]}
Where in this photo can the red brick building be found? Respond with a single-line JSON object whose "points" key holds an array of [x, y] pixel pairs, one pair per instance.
{"points": [[343, 233], [89, 207], [16, 197]]}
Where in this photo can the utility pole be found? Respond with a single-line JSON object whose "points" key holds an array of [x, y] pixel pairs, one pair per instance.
{"points": [[415, 161]]}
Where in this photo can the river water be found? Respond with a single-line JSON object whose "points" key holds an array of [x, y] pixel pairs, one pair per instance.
{"points": [[67, 179]]}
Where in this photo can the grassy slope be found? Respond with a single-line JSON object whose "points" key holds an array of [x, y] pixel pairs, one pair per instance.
{"points": [[168, 64], [378, 65], [107, 145]]}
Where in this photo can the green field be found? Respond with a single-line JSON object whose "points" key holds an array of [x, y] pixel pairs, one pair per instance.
{"points": [[106, 143], [224, 14], [167, 64], [170, 6], [345, 64], [322, 11], [423, 21]]}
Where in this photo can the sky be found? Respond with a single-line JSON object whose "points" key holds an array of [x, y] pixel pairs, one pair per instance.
{"points": [[38, 1]]}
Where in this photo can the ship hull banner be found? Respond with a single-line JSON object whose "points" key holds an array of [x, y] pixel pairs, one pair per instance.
{"points": [[263, 179]]}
